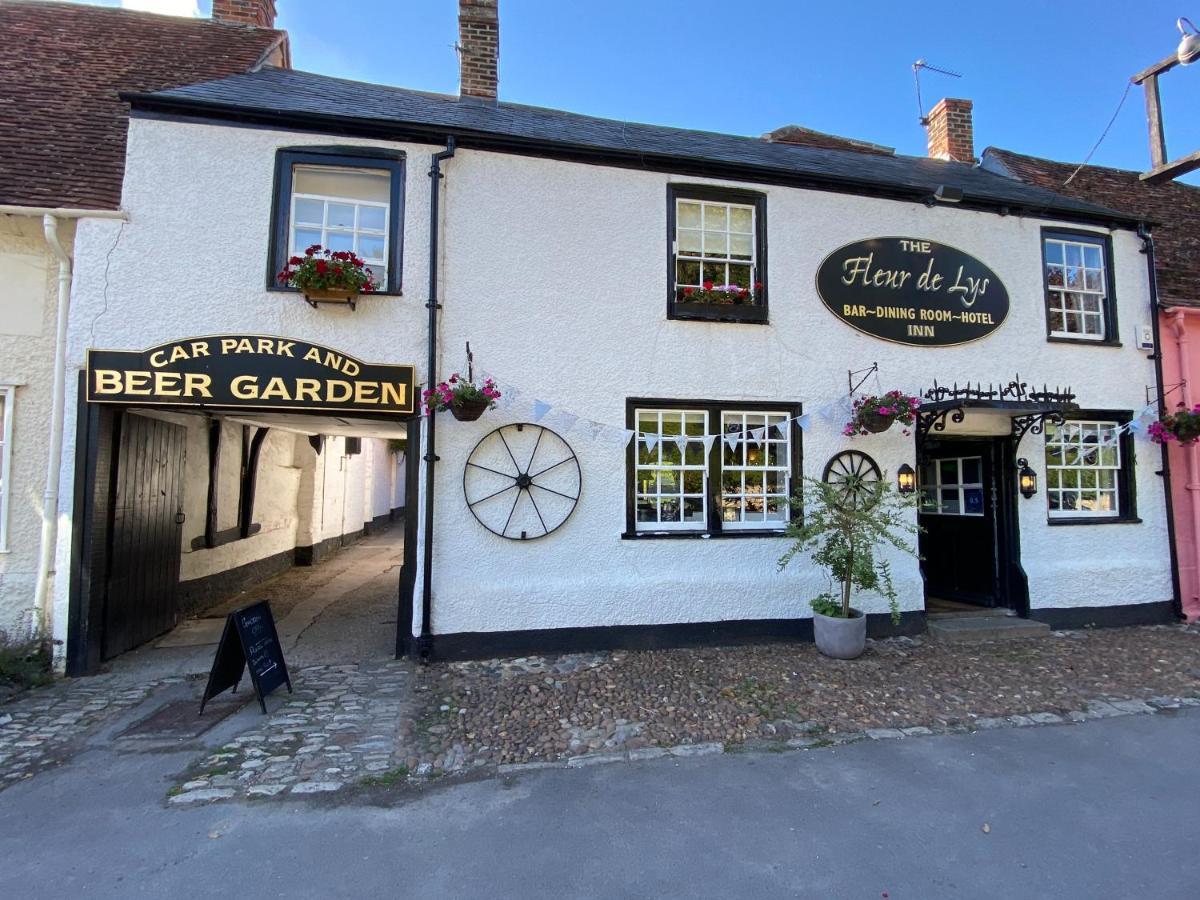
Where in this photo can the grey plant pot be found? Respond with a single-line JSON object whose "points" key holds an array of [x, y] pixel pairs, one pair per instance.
{"points": [[841, 638]]}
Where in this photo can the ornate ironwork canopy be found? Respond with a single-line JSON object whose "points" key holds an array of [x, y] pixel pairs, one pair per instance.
{"points": [[1029, 409]]}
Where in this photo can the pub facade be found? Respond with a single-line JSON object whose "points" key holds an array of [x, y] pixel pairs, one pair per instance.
{"points": [[678, 324]]}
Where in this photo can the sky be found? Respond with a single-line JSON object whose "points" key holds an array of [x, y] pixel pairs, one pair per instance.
{"points": [[1045, 77]]}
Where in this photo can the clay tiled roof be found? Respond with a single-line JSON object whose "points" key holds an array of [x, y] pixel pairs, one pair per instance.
{"points": [[1172, 206], [62, 66]]}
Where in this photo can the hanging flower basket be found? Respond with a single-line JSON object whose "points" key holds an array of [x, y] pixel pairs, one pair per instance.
{"points": [[875, 415], [466, 400], [1181, 426], [328, 276]]}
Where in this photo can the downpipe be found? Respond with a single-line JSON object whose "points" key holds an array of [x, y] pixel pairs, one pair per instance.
{"points": [[45, 569], [1152, 280], [425, 640]]}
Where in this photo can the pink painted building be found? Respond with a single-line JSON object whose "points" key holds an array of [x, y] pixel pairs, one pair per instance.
{"points": [[1172, 211]]}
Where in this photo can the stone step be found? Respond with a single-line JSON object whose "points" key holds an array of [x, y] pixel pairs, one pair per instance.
{"points": [[982, 612], [985, 628]]}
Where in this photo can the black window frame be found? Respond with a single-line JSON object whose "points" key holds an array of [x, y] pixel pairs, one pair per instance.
{"points": [[286, 158], [1126, 474], [1112, 333], [713, 527], [713, 312]]}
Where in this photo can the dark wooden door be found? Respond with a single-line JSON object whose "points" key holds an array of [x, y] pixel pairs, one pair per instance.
{"points": [[147, 528], [958, 517]]}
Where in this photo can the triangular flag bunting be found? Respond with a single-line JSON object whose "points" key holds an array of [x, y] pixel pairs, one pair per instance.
{"points": [[708, 442], [567, 420], [651, 441], [540, 408], [758, 434], [731, 438], [1134, 426], [627, 434], [803, 421], [681, 442], [597, 428]]}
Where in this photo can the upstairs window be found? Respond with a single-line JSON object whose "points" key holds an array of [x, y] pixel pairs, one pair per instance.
{"points": [[1078, 279], [343, 199], [716, 254]]}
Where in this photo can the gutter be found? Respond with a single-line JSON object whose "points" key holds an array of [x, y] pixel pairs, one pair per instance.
{"points": [[154, 106], [425, 641], [1152, 279]]}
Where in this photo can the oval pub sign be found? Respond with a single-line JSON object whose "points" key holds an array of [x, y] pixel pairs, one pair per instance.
{"points": [[912, 291]]}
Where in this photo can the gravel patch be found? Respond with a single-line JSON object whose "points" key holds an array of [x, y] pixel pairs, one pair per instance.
{"points": [[510, 712]]}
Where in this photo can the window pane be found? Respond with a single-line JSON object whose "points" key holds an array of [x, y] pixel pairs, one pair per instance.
{"points": [[344, 184], [741, 219], [714, 272], [693, 509], [1054, 276], [972, 471], [740, 246], [339, 240], [689, 242], [1074, 255], [949, 471], [973, 501], [716, 243], [647, 509], [687, 273], [688, 214], [372, 218], [371, 247], [716, 217], [950, 501], [1054, 252], [339, 215], [1091, 256], [740, 275], [305, 238], [309, 212]]}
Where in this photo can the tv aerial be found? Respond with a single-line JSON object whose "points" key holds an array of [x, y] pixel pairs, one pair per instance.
{"points": [[917, 67]]}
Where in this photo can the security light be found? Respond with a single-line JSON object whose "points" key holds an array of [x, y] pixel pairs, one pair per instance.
{"points": [[1189, 43]]}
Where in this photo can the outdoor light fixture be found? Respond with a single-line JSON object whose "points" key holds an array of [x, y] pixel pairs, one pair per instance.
{"points": [[1026, 478], [906, 479], [1189, 43]]}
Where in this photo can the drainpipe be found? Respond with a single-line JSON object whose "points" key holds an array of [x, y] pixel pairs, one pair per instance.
{"points": [[425, 641], [54, 462], [1177, 319], [1148, 249]]}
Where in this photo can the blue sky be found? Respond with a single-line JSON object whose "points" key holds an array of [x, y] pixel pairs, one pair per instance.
{"points": [[1045, 76]]}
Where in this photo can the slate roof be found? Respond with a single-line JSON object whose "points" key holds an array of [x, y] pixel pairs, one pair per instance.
{"points": [[318, 103], [62, 69], [1172, 205]]}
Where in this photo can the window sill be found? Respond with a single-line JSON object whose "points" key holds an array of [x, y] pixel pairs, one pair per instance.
{"points": [[700, 535], [293, 291], [717, 312], [1057, 339], [1098, 520]]}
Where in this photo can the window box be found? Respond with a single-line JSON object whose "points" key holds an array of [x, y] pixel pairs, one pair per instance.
{"points": [[1077, 274], [716, 254], [344, 199], [709, 469]]}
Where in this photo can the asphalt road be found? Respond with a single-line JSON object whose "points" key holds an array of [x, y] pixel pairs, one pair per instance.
{"points": [[1100, 810]]}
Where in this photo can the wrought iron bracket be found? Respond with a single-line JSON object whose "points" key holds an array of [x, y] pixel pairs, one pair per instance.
{"points": [[1035, 423], [935, 420]]}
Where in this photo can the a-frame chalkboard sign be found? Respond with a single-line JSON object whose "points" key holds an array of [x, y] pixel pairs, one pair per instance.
{"points": [[249, 640]]}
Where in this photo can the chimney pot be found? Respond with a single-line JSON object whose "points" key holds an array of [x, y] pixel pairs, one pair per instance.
{"points": [[950, 131], [259, 13], [478, 48]]}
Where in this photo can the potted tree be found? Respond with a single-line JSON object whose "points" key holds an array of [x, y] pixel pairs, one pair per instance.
{"points": [[465, 399], [328, 276], [876, 414], [844, 538]]}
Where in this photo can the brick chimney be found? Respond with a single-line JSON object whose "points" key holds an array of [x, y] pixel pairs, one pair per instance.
{"points": [[951, 135], [478, 49], [259, 13]]}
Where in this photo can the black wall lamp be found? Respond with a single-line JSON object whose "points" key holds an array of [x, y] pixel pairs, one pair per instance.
{"points": [[906, 479], [1026, 478]]}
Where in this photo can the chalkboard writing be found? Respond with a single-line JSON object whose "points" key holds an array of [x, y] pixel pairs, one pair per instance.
{"points": [[248, 641]]}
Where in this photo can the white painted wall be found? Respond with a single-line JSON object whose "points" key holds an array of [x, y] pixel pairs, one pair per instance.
{"points": [[555, 273], [28, 306]]}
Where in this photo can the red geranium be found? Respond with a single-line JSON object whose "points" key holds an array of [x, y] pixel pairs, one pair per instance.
{"points": [[328, 270]]}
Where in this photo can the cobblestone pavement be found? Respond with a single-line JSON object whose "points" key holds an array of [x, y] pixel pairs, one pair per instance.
{"points": [[508, 712], [344, 725], [45, 726]]}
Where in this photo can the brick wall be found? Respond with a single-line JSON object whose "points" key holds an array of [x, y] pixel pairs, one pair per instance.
{"points": [[260, 13], [951, 134], [478, 48]]}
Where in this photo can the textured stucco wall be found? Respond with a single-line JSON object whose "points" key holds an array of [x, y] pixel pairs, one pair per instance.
{"points": [[555, 272], [28, 307]]}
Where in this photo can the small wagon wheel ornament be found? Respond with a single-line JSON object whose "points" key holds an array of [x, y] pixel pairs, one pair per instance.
{"points": [[856, 477], [522, 481]]}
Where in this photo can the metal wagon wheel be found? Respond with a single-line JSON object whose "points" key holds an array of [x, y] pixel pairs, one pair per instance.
{"points": [[856, 477], [522, 481]]}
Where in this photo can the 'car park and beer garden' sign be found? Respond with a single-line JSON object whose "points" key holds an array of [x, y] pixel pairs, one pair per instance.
{"points": [[249, 371], [912, 291]]}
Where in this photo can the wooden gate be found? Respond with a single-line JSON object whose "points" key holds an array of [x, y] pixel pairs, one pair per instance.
{"points": [[146, 531]]}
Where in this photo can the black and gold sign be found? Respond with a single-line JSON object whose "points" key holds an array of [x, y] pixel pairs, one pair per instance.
{"points": [[912, 291], [244, 370]]}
